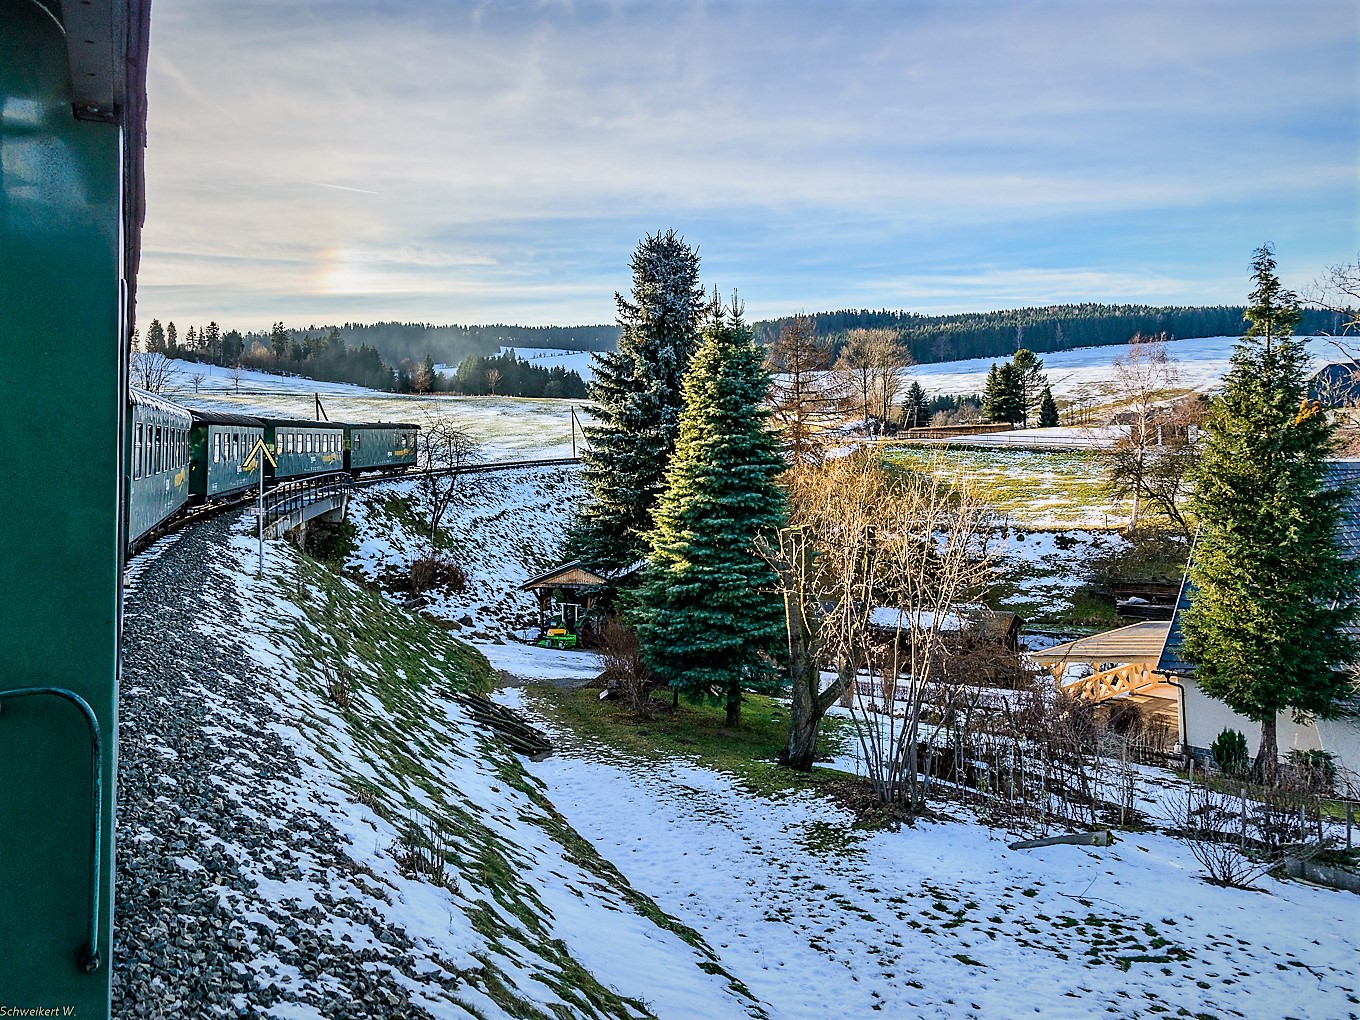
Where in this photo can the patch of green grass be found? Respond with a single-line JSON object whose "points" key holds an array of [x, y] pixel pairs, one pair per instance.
{"points": [[1026, 486], [698, 733]]}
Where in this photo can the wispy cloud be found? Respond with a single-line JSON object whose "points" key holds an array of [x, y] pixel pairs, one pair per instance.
{"points": [[471, 161]]}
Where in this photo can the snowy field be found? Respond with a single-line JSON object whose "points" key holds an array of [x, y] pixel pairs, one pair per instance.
{"points": [[824, 921], [579, 362], [1088, 373]]}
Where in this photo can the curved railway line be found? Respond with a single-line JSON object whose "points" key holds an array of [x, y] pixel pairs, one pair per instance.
{"points": [[205, 511]]}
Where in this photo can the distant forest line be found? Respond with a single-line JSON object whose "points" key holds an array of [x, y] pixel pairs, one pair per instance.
{"points": [[936, 338], [390, 355], [930, 338]]}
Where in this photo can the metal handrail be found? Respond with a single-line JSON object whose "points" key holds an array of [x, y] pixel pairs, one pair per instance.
{"points": [[289, 497], [89, 960]]}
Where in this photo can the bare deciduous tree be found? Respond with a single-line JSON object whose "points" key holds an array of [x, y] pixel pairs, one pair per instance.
{"points": [[1338, 290], [151, 371], [799, 396], [446, 449], [862, 543], [822, 561], [1144, 379], [870, 371], [930, 561]]}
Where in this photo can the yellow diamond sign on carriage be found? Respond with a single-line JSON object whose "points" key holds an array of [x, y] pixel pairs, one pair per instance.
{"points": [[259, 447]]}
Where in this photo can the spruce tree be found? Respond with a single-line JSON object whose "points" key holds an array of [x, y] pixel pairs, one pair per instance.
{"points": [[1048, 410], [1271, 598], [1030, 382], [155, 337], [637, 395], [1003, 399], [991, 394], [914, 407], [707, 613]]}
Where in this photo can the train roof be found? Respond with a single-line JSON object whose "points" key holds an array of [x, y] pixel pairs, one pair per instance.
{"points": [[381, 425], [147, 399], [222, 418], [302, 423]]}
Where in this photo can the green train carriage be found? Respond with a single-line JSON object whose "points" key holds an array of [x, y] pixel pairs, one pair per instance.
{"points": [[72, 134], [219, 446], [302, 447], [380, 446], [158, 461]]}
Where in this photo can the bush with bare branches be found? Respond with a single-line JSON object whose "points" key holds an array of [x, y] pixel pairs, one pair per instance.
{"points": [[625, 667]]}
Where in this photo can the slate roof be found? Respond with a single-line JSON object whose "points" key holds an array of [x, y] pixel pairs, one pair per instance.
{"points": [[1340, 473], [1335, 385]]}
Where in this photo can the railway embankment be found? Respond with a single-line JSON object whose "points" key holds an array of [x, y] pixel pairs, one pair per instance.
{"points": [[310, 825]]}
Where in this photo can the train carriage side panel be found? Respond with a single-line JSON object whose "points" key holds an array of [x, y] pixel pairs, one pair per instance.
{"points": [[72, 89], [222, 443], [380, 446], [304, 448], [158, 470]]}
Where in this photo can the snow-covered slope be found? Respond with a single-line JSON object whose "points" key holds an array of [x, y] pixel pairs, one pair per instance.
{"points": [[580, 362], [823, 921]]}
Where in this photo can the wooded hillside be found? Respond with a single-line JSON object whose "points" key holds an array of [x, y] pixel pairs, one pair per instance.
{"points": [[935, 338]]}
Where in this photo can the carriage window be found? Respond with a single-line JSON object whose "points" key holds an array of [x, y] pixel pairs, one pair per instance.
{"points": [[137, 450], [357, 441]]}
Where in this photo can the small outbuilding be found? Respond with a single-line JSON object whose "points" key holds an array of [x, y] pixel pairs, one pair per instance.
{"points": [[573, 597]]}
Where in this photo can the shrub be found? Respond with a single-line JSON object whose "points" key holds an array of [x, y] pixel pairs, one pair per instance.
{"points": [[1229, 750], [436, 570], [422, 852], [625, 668], [1315, 771], [1213, 827]]}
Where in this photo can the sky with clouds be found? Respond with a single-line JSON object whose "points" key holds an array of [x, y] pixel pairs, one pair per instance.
{"points": [[444, 161]]}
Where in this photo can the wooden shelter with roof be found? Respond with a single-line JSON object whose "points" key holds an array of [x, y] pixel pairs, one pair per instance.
{"points": [[1122, 664], [574, 588]]}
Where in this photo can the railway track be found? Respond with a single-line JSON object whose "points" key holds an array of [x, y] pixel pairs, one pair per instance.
{"points": [[486, 466]]}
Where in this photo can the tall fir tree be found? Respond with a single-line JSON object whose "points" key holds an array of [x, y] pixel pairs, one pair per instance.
{"points": [[155, 337], [1030, 382], [707, 613], [1272, 591], [638, 398], [914, 414], [1003, 400], [1048, 410]]}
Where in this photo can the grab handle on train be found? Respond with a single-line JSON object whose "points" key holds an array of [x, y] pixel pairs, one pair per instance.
{"points": [[89, 960]]}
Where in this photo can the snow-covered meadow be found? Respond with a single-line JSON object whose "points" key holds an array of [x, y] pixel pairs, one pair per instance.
{"points": [[1088, 372], [822, 920]]}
